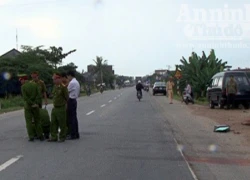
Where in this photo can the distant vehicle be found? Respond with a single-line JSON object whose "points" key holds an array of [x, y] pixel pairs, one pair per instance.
{"points": [[216, 90], [159, 88]]}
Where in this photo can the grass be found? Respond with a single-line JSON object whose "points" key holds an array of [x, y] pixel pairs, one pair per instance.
{"points": [[16, 103], [200, 101]]}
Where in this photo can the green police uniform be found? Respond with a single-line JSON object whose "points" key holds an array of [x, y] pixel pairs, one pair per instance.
{"points": [[32, 96], [231, 87], [58, 114], [231, 92], [45, 122], [42, 88], [67, 118]]}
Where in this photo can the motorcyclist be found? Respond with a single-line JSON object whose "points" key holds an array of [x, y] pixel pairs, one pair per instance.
{"points": [[88, 90], [101, 88], [188, 91], [139, 87]]}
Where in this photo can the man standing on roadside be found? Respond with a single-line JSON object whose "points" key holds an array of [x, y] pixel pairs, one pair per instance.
{"points": [[65, 80], [74, 92], [42, 87], [170, 88], [31, 95], [35, 78], [58, 114], [231, 91], [65, 83]]}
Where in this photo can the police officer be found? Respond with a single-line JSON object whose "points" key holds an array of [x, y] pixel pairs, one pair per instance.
{"points": [[65, 82], [31, 96], [231, 90], [35, 78], [58, 114], [44, 121], [170, 87]]}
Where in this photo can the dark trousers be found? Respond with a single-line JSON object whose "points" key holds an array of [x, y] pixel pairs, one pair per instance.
{"points": [[72, 118], [139, 91], [230, 100]]}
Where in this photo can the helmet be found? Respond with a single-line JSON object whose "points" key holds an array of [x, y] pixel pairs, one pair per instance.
{"points": [[139, 81]]}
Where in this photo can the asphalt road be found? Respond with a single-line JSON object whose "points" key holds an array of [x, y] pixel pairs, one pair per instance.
{"points": [[121, 138]]}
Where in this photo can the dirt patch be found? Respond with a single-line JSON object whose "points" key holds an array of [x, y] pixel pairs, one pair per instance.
{"points": [[234, 118]]}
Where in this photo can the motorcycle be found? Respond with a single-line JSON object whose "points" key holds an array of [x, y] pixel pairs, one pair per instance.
{"points": [[88, 92], [139, 95], [187, 98], [146, 88], [101, 90]]}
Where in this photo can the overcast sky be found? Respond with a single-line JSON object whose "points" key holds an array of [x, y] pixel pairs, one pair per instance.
{"points": [[135, 36]]}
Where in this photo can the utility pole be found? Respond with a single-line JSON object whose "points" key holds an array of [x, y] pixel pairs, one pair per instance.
{"points": [[16, 40]]}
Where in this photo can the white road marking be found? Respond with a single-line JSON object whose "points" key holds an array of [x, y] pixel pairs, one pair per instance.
{"points": [[9, 162], [90, 112], [103, 105], [110, 101], [189, 167]]}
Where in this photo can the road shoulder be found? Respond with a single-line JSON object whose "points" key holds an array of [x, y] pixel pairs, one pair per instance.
{"points": [[211, 155]]}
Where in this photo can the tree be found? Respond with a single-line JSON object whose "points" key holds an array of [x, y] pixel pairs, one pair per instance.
{"points": [[99, 66], [32, 59], [71, 67], [199, 71]]}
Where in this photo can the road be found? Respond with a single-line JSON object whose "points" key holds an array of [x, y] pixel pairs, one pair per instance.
{"points": [[121, 138]]}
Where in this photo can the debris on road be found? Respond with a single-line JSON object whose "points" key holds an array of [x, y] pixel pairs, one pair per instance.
{"points": [[221, 128]]}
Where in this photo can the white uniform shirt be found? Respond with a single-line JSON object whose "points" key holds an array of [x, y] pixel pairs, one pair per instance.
{"points": [[74, 89]]}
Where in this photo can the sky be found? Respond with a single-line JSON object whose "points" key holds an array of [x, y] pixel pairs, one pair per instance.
{"points": [[135, 36]]}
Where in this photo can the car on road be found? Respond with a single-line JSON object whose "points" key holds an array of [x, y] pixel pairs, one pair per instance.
{"points": [[159, 88], [216, 90]]}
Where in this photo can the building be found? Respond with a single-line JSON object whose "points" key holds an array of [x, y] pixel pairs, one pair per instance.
{"points": [[11, 54], [106, 68], [161, 71], [92, 77]]}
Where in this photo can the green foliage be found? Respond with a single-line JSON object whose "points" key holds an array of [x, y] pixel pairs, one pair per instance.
{"points": [[16, 101], [45, 61], [121, 79], [71, 67], [102, 72], [198, 71]]}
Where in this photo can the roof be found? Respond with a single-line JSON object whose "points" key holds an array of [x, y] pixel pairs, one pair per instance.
{"points": [[228, 72], [11, 53]]}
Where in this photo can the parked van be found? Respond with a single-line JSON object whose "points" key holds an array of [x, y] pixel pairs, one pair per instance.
{"points": [[216, 91]]}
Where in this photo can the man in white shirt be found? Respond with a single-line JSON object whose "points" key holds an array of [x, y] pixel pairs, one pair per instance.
{"points": [[74, 92]]}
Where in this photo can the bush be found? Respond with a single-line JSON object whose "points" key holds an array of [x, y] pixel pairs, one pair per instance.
{"points": [[12, 102]]}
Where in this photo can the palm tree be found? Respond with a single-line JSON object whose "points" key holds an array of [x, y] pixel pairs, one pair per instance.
{"points": [[99, 64]]}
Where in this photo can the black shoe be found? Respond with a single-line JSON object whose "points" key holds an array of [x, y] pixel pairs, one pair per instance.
{"points": [[52, 140], [71, 138], [78, 136], [31, 139], [46, 136], [41, 138]]}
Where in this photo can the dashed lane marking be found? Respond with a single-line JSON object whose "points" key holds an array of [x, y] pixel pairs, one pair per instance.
{"points": [[9, 162], [110, 101], [90, 113], [103, 105]]}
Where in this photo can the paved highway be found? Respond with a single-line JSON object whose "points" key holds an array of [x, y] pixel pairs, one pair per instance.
{"points": [[121, 139]]}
